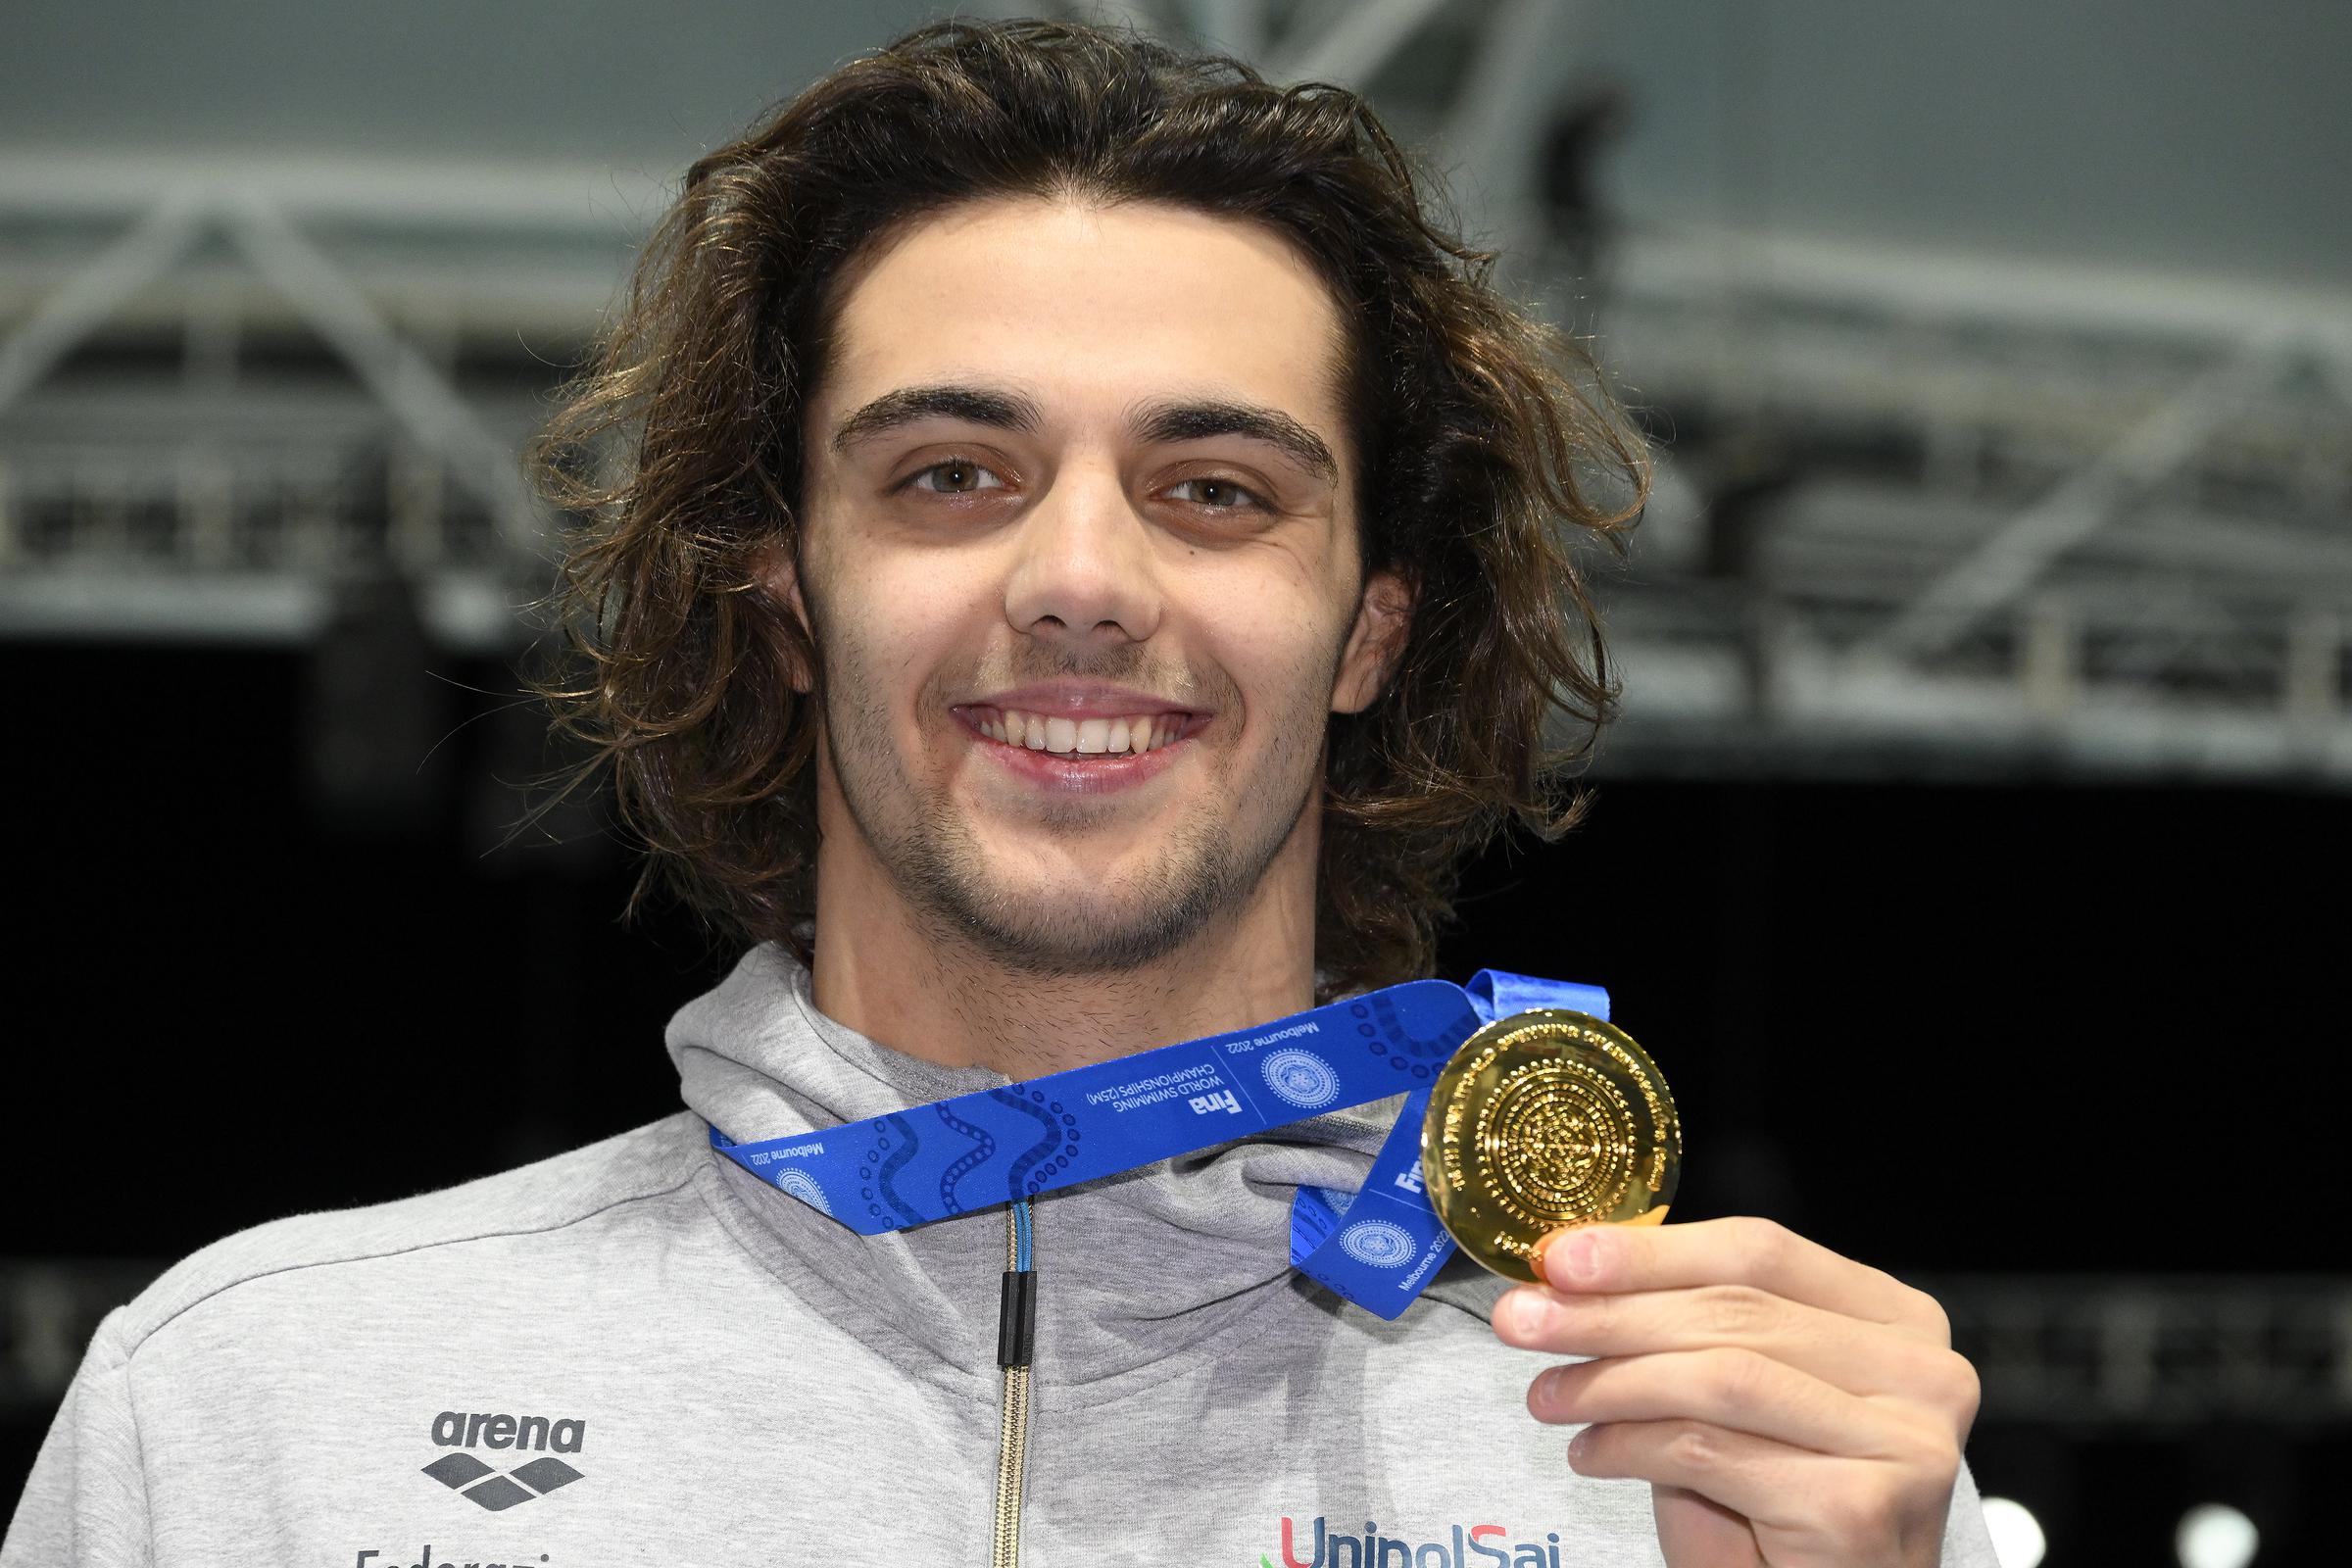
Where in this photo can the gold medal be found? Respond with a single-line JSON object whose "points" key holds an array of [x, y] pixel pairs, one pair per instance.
{"points": [[1543, 1119]]}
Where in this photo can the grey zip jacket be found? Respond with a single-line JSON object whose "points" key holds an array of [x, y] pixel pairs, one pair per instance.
{"points": [[638, 1354]]}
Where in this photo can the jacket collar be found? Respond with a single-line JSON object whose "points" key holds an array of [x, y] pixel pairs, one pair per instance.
{"points": [[1133, 1269]]}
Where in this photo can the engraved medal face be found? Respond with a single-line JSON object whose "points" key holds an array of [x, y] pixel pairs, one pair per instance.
{"points": [[1543, 1119]]}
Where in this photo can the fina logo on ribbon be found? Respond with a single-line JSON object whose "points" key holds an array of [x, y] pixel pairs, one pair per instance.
{"points": [[1301, 1077], [802, 1186], [1377, 1243]]}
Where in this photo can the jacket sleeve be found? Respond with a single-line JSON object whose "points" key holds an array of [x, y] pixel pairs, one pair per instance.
{"points": [[85, 1505]]}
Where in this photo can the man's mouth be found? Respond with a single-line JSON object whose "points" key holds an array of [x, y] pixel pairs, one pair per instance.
{"points": [[1129, 735]]}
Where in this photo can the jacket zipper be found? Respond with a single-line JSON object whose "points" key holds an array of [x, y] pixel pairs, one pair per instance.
{"points": [[1016, 1324]]}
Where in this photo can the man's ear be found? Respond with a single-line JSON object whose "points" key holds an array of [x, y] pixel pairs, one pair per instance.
{"points": [[779, 577], [1384, 615]]}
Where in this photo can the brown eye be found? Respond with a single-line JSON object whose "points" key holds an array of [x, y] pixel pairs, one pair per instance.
{"points": [[957, 477]]}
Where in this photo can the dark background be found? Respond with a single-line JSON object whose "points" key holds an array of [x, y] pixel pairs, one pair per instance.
{"points": [[1945, 1030]]}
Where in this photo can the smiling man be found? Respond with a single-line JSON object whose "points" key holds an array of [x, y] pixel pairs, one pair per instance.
{"points": [[1091, 556], [1082, 570]]}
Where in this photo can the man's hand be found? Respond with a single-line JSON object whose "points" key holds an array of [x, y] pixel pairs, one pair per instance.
{"points": [[1789, 1407]]}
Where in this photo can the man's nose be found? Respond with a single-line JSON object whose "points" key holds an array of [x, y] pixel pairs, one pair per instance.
{"points": [[1086, 575]]}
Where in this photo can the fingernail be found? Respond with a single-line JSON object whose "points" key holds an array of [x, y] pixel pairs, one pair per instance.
{"points": [[1531, 1311], [1580, 1445], [1572, 1258]]}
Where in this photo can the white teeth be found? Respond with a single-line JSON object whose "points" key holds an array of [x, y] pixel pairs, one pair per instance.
{"points": [[1134, 734]]}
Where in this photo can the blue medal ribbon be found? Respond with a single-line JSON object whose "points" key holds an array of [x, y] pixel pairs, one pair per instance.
{"points": [[1377, 1246]]}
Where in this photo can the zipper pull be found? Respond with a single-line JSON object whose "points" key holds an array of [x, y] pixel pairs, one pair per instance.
{"points": [[1016, 1317], [1016, 1307]]}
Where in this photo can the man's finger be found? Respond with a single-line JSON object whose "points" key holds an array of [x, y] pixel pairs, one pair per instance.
{"points": [[1861, 1358], [1742, 1392], [1740, 1250]]}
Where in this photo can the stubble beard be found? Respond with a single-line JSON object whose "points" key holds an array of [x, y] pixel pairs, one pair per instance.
{"points": [[935, 860]]}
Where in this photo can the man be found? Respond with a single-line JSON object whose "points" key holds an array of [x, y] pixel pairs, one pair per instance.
{"points": [[1088, 564]]}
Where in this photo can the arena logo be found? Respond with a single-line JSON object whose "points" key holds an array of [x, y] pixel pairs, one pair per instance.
{"points": [[480, 1483], [455, 1429], [1466, 1546]]}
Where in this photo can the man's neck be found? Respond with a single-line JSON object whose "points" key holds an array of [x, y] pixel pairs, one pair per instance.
{"points": [[895, 978]]}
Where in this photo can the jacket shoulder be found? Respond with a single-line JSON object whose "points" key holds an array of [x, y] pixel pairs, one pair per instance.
{"points": [[645, 1162]]}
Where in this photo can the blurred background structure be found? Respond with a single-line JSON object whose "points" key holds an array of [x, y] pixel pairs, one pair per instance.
{"points": [[1985, 646]]}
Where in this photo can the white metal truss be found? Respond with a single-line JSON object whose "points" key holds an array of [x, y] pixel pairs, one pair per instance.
{"points": [[2029, 518], [165, 471]]}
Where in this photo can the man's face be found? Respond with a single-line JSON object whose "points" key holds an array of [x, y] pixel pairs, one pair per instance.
{"points": [[1080, 559]]}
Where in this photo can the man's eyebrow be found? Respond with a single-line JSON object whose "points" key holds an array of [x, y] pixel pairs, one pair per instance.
{"points": [[1154, 421], [1006, 411], [1195, 421]]}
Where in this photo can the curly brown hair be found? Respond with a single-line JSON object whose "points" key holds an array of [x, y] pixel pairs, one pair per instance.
{"points": [[1483, 449]]}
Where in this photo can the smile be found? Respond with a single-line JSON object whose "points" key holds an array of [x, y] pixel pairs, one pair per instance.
{"points": [[1123, 736]]}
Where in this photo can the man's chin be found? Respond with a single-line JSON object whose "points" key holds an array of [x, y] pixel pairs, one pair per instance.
{"points": [[1067, 906], [1073, 921], [1046, 936]]}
